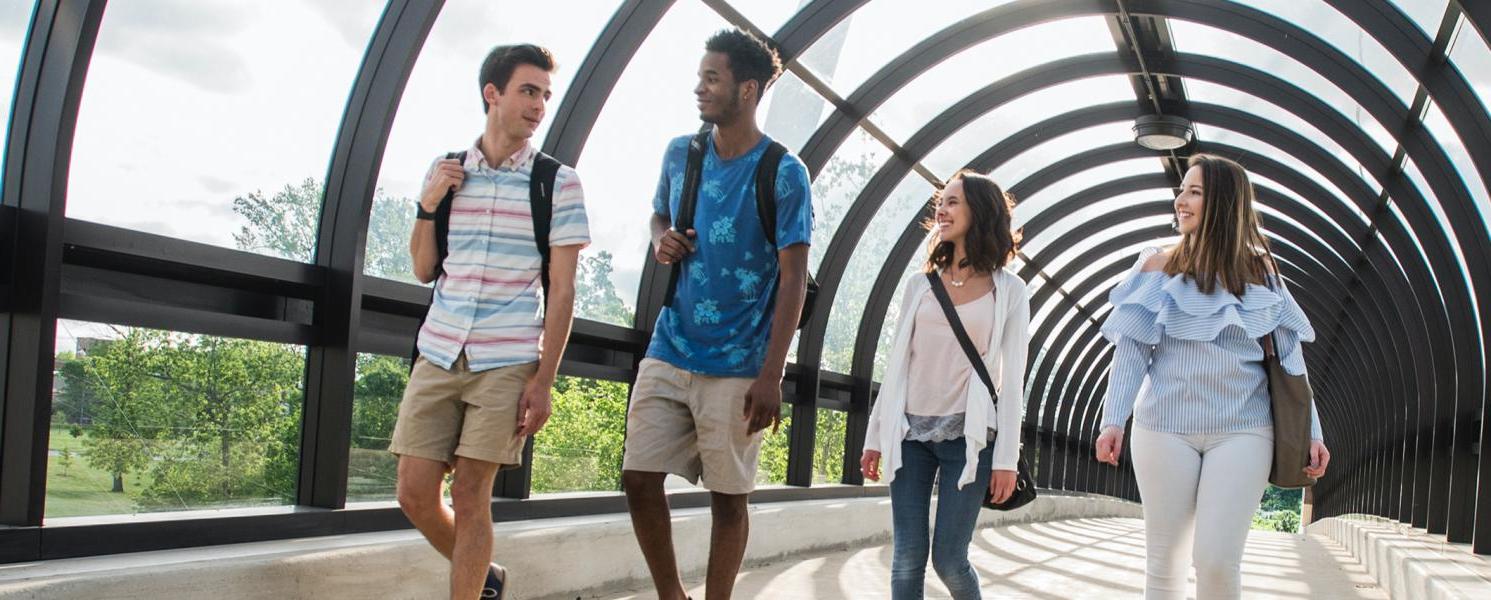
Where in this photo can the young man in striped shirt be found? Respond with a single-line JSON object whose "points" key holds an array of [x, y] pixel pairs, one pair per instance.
{"points": [[490, 346]]}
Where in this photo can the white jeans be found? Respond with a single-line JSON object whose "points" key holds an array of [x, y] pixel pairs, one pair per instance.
{"points": [[1211, 480]]}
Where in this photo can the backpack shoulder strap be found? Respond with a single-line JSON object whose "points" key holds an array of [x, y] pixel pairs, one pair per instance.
{"points": [[541, 203], [766, 189], [442, 217], [688, 198], [442, 246]]}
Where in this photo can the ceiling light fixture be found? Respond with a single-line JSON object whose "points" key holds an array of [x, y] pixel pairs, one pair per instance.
{"points": [[1162, 132]]}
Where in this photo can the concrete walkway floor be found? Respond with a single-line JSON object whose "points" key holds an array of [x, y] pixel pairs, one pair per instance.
{"points": [[1065, 560]]}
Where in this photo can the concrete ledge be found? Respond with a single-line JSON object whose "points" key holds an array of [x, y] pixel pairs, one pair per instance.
{"points": [[548, 558], [1408, 562]]}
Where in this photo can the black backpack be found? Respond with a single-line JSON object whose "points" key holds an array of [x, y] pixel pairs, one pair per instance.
{"points": [[766, 208], [541, 201]]}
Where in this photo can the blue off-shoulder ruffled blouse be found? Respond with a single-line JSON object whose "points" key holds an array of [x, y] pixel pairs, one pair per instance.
{"points": [[1192, 360]]}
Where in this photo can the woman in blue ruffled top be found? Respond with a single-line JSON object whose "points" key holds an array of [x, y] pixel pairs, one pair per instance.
{"points": [[1187, 321]]}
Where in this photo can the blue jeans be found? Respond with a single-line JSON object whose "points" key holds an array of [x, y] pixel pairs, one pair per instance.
{"points": [[957, 514]]}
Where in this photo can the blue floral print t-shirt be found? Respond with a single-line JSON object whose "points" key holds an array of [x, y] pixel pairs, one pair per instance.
{"points": [[720, 320]]}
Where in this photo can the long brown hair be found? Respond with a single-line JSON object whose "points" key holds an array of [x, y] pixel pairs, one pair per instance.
{"points": [[1228, 247], [990, 242]]}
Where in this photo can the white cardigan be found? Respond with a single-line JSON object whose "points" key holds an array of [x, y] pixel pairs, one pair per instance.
{"points": [[1010, 335]]}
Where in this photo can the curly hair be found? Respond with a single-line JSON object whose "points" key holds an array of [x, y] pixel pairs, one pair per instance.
{"points": [[750, 58]]}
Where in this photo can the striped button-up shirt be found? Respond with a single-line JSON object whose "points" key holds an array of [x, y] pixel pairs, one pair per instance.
{"points": [[489, 301], [1192, 360]]}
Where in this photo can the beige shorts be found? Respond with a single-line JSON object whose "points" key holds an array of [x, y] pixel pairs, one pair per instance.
{"points": [[691, 425], [445, 414]]}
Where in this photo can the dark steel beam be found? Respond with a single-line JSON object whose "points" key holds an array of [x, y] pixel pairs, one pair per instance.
{"points": [[59, 45], [597, 76], [351, 180], [809, 23]]}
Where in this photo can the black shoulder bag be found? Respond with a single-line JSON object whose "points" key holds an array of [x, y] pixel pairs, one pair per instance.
{"points": [[1024, 486]]}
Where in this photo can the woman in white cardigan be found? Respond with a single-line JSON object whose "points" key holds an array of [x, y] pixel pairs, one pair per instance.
{"points": [[933, 413]]}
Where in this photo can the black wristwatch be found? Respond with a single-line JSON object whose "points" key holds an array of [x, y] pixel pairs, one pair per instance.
{"points": [[421, 213]]}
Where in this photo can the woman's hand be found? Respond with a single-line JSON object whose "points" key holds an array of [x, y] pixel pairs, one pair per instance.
{"points": [[869, 465], [1110, 445], [1320, 457], [1002, 485]]}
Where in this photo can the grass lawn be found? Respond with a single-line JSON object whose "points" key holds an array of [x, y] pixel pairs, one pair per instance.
{"points": [[79, 489]]}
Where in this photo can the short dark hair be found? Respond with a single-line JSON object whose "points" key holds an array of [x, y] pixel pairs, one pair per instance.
{"points": [[498, 67], [750, 58]]}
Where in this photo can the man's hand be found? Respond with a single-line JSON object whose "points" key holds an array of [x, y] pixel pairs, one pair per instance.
{"points": [[672, 246], [763, 403], [1002, 485], [447, 176], [534, 407]]}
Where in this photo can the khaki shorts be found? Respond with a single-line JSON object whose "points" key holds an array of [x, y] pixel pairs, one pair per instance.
{"points": [[691, 425], [445, 414]]}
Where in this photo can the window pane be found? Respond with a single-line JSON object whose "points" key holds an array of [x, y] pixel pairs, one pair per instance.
{"points": [[1204, 91], [1473, 58], [828, 446], [652, 103], [828, 449], [1341, 32], [580, 447], [1228, 137], [1448, 139], [1262, 183], [1209, 41], [1270, 217], [998, 124], [947, 83], [372, 472], [767, 15], [882, 30], [147, 420], [771, 468], [1059, 148], [441, 109], [893, 310], [839, 184], [1101, 211], [1059, 191], [1416, 176], [15, 17], [1427, 14], [214, 121], [864, 266], [793, 111]]}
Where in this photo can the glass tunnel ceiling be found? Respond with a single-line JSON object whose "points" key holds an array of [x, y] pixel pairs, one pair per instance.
{"points": [[1364, 122]]}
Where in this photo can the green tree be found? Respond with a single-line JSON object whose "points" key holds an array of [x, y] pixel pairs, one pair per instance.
{"points": [[75, 398], [117, 372], [380, 386], [580, 447], [1277, 498], [595, 294], [236, 419], [284, 224]]}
